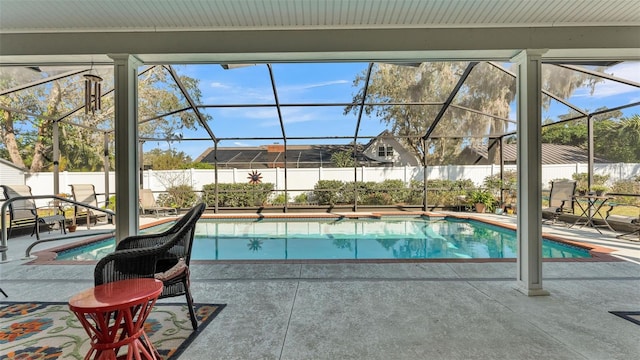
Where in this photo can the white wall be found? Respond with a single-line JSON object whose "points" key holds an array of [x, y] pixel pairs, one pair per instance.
{"points": [[10, 175], [304, 179]]}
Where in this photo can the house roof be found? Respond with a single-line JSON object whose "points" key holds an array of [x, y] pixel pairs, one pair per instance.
{"points": [[551, 154], [269, 156], [9, 163]]}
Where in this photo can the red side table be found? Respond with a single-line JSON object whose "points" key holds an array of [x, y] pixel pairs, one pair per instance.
{"points": [[113, 315]]}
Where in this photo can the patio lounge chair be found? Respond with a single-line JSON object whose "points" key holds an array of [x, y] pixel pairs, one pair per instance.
{"points": [[631, 222], [24, 212], [86, 194], [165, 256], [148, 204], [560, 199]]}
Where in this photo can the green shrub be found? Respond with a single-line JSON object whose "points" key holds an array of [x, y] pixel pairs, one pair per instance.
{"points": [[415, 195], [463, 184], [583, 178], [378, 198], [112, 203], [440, 192], [237, 195], [181, 196], [364, 189], [395, 189], [301, 199], [627, 187], [329, 192], [280, 199]]}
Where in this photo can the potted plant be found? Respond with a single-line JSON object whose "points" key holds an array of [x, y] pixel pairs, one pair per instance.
{"points": [[510, 209], [599, 189], [483, 200]]}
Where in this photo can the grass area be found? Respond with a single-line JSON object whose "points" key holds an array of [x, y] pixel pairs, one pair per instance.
{"points": [[618, 209], [626, 210]]}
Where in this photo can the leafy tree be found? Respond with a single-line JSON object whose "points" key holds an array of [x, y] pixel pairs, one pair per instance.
{"points": [[26, 130], [201, 165], [171, 159], [615, 139], [403, 89], [343, 159], [618, 141], [572, 133], [166, 159]]}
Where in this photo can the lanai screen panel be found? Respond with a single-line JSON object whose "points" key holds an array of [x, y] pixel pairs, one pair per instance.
{"points": [[244, 122], [317, 83], [28, 89], [232, 84], [313, 98], [594, 93]]}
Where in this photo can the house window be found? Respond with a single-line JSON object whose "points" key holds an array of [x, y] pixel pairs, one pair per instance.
{"points": [[385, 151]]}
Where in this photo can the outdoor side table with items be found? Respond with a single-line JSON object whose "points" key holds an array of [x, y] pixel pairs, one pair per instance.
{"points": [[113, 315], [590, 206]]}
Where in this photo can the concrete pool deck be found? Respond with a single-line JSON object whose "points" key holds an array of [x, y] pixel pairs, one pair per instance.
{"points": [[391, 310]]}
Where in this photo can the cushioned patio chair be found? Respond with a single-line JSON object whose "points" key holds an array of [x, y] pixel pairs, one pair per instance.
{"points": [[86, 194], [164, 256], [24, 212], [560, 199], [148, 204]]}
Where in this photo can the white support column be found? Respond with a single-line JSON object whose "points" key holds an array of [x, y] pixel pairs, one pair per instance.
{"points": [[529, 172], [126, 150]]}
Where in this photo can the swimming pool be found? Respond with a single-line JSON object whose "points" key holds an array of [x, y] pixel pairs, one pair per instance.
{"points": [[341, 238]]}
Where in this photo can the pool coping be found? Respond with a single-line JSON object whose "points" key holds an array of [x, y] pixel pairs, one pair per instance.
{"points": [[598, 253]]}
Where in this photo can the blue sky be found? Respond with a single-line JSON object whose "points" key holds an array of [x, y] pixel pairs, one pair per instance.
{"points": [[328, 83]]}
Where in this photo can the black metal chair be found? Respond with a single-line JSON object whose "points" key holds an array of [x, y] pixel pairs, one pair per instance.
{"points": [[164, 256]]}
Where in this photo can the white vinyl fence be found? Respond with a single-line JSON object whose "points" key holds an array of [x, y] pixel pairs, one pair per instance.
{"points": [[300, 180]]}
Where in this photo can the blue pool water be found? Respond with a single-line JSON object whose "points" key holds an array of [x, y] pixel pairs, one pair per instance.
{"points": [[387, 238]]}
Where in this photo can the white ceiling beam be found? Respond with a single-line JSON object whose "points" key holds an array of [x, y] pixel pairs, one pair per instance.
{"points": [[615, 43]]}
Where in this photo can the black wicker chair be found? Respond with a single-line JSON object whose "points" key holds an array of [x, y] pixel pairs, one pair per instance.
{"points": [[164, 256]]}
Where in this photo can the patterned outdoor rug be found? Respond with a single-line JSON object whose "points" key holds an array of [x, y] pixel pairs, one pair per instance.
{"points": [[51, 331], [633, 316]]}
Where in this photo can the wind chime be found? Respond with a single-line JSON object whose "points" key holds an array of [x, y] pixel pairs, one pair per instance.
{"points": [[92, 92]]}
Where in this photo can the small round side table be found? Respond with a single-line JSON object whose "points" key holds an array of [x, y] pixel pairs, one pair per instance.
{"points": [[113, 315]]}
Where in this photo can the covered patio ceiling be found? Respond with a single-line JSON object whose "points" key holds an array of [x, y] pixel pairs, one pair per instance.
{"points": [[181, 31]]}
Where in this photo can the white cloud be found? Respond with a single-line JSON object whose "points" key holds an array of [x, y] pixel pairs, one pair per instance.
{"points": [[303, 87], [238, 143], [260, 113], [219, 85], [628, 71], [237, 94], [293, 116]]}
